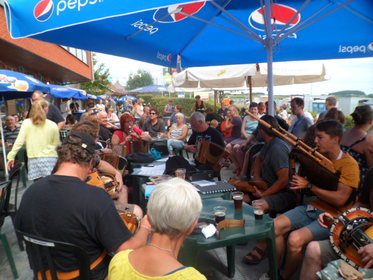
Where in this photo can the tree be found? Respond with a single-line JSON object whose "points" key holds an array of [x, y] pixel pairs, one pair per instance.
{"points": [[140, 79], [100, 84]]}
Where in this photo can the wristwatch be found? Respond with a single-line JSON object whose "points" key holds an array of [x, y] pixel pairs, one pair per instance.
{"points": [[309, 186]]}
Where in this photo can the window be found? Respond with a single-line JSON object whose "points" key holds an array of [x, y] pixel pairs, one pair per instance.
{"points": [[78, 53]]}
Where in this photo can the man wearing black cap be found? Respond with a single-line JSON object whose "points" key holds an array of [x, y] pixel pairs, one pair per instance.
{"points": [[63, 207]]}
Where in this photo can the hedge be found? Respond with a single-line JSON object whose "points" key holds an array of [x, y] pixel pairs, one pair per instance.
{"points": [[159, 102]]}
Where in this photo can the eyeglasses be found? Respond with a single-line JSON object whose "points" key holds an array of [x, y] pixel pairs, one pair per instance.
{"points": [[153, 113]]}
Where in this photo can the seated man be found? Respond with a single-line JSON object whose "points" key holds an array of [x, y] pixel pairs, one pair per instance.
{"points": [[320, 253], [106, 128], [271, 172], [302, 220], [11, 131], [154, 125], [63, 207], [121, 196], [201, 130]]}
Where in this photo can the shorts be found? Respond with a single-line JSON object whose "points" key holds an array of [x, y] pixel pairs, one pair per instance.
{"points": [[327, 252], [281, 202], [300, 217]]}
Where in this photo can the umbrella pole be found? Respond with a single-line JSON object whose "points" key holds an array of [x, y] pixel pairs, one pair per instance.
{"points": [[250, 82], [269, 47], [4, 148], [215, 96]]}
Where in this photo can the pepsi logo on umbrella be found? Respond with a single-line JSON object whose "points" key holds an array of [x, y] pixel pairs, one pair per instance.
{"points": [[370, 46], [175, 13], [281, 15], [43, 10]]}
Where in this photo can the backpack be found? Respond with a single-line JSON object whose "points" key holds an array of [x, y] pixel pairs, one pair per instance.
{"points": [[176, 162], [140, 157]]}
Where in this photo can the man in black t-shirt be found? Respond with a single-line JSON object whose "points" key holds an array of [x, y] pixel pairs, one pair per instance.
{"points": [[63, 207], [201, 130]]}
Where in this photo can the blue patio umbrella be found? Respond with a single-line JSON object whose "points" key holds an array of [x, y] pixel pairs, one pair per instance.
{"points": [[59, 91], [19, 85], [150, 88], [94, 97], [123, 99], [202, 33]]}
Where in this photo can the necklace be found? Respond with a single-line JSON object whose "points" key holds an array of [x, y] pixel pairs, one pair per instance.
{"points": [[163, 249]]}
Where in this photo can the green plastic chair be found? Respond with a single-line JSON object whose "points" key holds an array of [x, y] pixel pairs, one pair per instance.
{"points": [[5, 189]]}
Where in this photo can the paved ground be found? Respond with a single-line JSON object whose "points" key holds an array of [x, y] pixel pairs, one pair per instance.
{"points": [[212, 263]]}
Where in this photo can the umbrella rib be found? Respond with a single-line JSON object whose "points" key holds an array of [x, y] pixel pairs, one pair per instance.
{"points": [[292, 18], [209, 22], [302, 26], [293, 30], [252, 37], [243, 26], [356, 13], [219, 26]]}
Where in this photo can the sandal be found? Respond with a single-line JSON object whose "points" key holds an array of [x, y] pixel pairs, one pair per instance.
{"points": [[254, 259]]}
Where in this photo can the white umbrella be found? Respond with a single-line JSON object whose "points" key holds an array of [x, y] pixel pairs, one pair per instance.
{"points": [[236, 76]]}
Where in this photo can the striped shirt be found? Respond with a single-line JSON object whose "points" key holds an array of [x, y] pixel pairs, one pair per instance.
{"points": [[10, 136]]}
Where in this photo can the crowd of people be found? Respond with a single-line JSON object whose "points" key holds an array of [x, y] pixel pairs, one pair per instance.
{"points": [[89, 215]]}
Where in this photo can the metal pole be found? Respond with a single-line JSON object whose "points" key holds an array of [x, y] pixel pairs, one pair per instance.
{"points": [[4, 148], [269, 47]]}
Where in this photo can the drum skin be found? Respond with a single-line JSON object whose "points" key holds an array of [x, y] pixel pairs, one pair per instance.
{"points": [[357, 216]]}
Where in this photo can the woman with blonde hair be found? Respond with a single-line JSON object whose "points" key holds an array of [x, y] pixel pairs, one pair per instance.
{"points": [[41, 137], [173, 210], [233, 121], [177, 134]]}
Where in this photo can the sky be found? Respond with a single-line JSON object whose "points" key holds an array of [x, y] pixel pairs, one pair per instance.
{"points": [[343, 74]]}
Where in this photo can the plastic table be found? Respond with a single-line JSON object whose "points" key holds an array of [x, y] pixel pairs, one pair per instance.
{"points": [[229, 237]]}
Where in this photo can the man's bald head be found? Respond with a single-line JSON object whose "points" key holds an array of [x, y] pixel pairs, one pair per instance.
{"points": [[10, 122], [37, 95], [102, 118]]}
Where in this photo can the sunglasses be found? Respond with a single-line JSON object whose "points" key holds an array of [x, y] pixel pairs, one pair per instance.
{"points": [[153, 113]]}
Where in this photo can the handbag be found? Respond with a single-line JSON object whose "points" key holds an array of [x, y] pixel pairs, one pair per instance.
{"points": [[155, 153]]}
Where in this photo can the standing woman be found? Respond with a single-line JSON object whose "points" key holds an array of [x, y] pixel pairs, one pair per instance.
{"points": [[177, 134], [41, 137], [199, 105]]}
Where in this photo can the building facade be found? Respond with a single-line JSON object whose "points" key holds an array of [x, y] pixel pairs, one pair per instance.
{"points": [[45, 61]]}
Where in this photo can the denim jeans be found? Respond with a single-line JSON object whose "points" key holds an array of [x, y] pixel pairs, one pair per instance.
{"points": [[173, 144]]}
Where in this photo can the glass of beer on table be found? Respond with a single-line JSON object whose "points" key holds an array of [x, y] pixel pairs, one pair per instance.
{"points": [[237, 198], [219, 212], [258, 206]]}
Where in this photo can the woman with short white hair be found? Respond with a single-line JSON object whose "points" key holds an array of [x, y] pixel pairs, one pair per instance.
{"points": [[173, 211], [177, 134]]}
